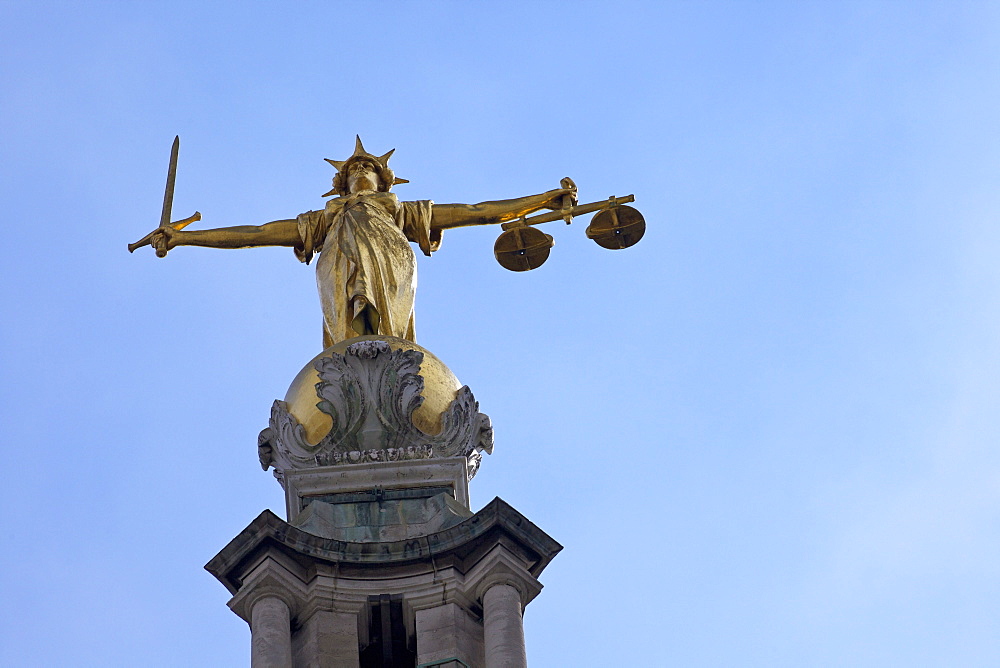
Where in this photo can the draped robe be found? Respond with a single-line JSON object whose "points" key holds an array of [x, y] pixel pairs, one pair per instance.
{"points": [[366, 268]]}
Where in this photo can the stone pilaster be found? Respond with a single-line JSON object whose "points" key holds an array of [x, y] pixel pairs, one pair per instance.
{"points": [[448, 631], [327, 638]]}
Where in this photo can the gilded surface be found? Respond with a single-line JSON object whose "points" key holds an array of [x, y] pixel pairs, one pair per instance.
{"points": [[372, 392], [440, 388], [366, 273]]}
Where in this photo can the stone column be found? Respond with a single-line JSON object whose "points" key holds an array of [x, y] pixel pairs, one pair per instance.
{"points": [[270, 634], [503, 627]]}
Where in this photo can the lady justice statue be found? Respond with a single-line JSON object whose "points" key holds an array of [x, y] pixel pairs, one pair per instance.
{"points": [[366, 272]]}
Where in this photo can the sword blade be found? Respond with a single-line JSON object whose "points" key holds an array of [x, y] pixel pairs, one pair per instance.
{"points": [[168, 195]]}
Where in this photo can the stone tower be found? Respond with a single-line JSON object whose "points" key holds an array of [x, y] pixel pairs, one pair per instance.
{"points": [[381, 562]]}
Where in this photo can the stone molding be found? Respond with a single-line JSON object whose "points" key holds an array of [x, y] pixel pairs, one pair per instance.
{"points": [[370, 392], [460, 544], [325, 593], [498, 544], [301, 484], [446, 590], [269, 579], [455, 566], [499, 567]]}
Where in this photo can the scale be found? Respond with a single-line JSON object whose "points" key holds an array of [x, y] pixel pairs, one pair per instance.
{"points": [[521, 247]]}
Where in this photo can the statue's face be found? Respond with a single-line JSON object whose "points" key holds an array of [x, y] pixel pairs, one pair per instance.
{"points": [[361, 175]]}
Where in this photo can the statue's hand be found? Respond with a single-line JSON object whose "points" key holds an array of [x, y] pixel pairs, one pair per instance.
{"points": [[561, 198], [164, 239]]}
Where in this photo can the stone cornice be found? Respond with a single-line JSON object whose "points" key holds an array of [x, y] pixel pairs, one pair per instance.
{"points": [[498, 522]]}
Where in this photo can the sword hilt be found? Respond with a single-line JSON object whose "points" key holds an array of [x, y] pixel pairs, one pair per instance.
{"points": [[148, 239]]}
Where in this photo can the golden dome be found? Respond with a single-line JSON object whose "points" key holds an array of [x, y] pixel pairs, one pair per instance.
{"points": [[440, 389]]}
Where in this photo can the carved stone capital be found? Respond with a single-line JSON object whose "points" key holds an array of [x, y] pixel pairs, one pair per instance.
{"points": [[269, 579], [501, 568]]}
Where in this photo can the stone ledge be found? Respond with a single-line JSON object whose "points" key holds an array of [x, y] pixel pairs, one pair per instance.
{"points": [[497, 522]]}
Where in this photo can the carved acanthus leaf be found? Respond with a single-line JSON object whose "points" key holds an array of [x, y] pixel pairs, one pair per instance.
{"points": [[370, 392]]}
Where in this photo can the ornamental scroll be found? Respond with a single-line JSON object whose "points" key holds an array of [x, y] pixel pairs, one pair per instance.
{"points": [[370, 392]]}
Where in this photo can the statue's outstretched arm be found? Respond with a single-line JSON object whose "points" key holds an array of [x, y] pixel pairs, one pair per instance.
{"points": [[446, 216], [277, 233]]}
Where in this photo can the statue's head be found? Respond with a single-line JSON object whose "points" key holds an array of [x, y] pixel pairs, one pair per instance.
{"points": [[362, 171]]}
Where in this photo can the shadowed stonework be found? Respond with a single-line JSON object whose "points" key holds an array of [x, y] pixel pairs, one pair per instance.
{"points": [[382, 563]]}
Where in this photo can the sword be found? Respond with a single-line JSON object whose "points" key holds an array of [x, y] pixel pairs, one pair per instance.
{"points": [[168, 194], [168, 202]]}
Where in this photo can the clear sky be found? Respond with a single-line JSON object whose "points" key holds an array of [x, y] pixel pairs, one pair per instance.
{"points": [[766, 435]]}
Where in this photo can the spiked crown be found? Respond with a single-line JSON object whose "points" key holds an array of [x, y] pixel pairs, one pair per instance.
{"points": [[387, 179]]}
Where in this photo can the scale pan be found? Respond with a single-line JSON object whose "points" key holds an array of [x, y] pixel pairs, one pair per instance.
{"points": [[618, 227], [522, 248]]}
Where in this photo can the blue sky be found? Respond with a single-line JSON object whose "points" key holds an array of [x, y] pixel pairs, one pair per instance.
{"points": [[766, 435]]}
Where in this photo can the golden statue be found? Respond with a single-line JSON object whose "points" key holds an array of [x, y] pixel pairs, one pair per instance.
{"points": [[367, 272]]}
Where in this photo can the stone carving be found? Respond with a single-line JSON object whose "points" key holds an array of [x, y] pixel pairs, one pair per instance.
{"points": [[370, 392]]}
